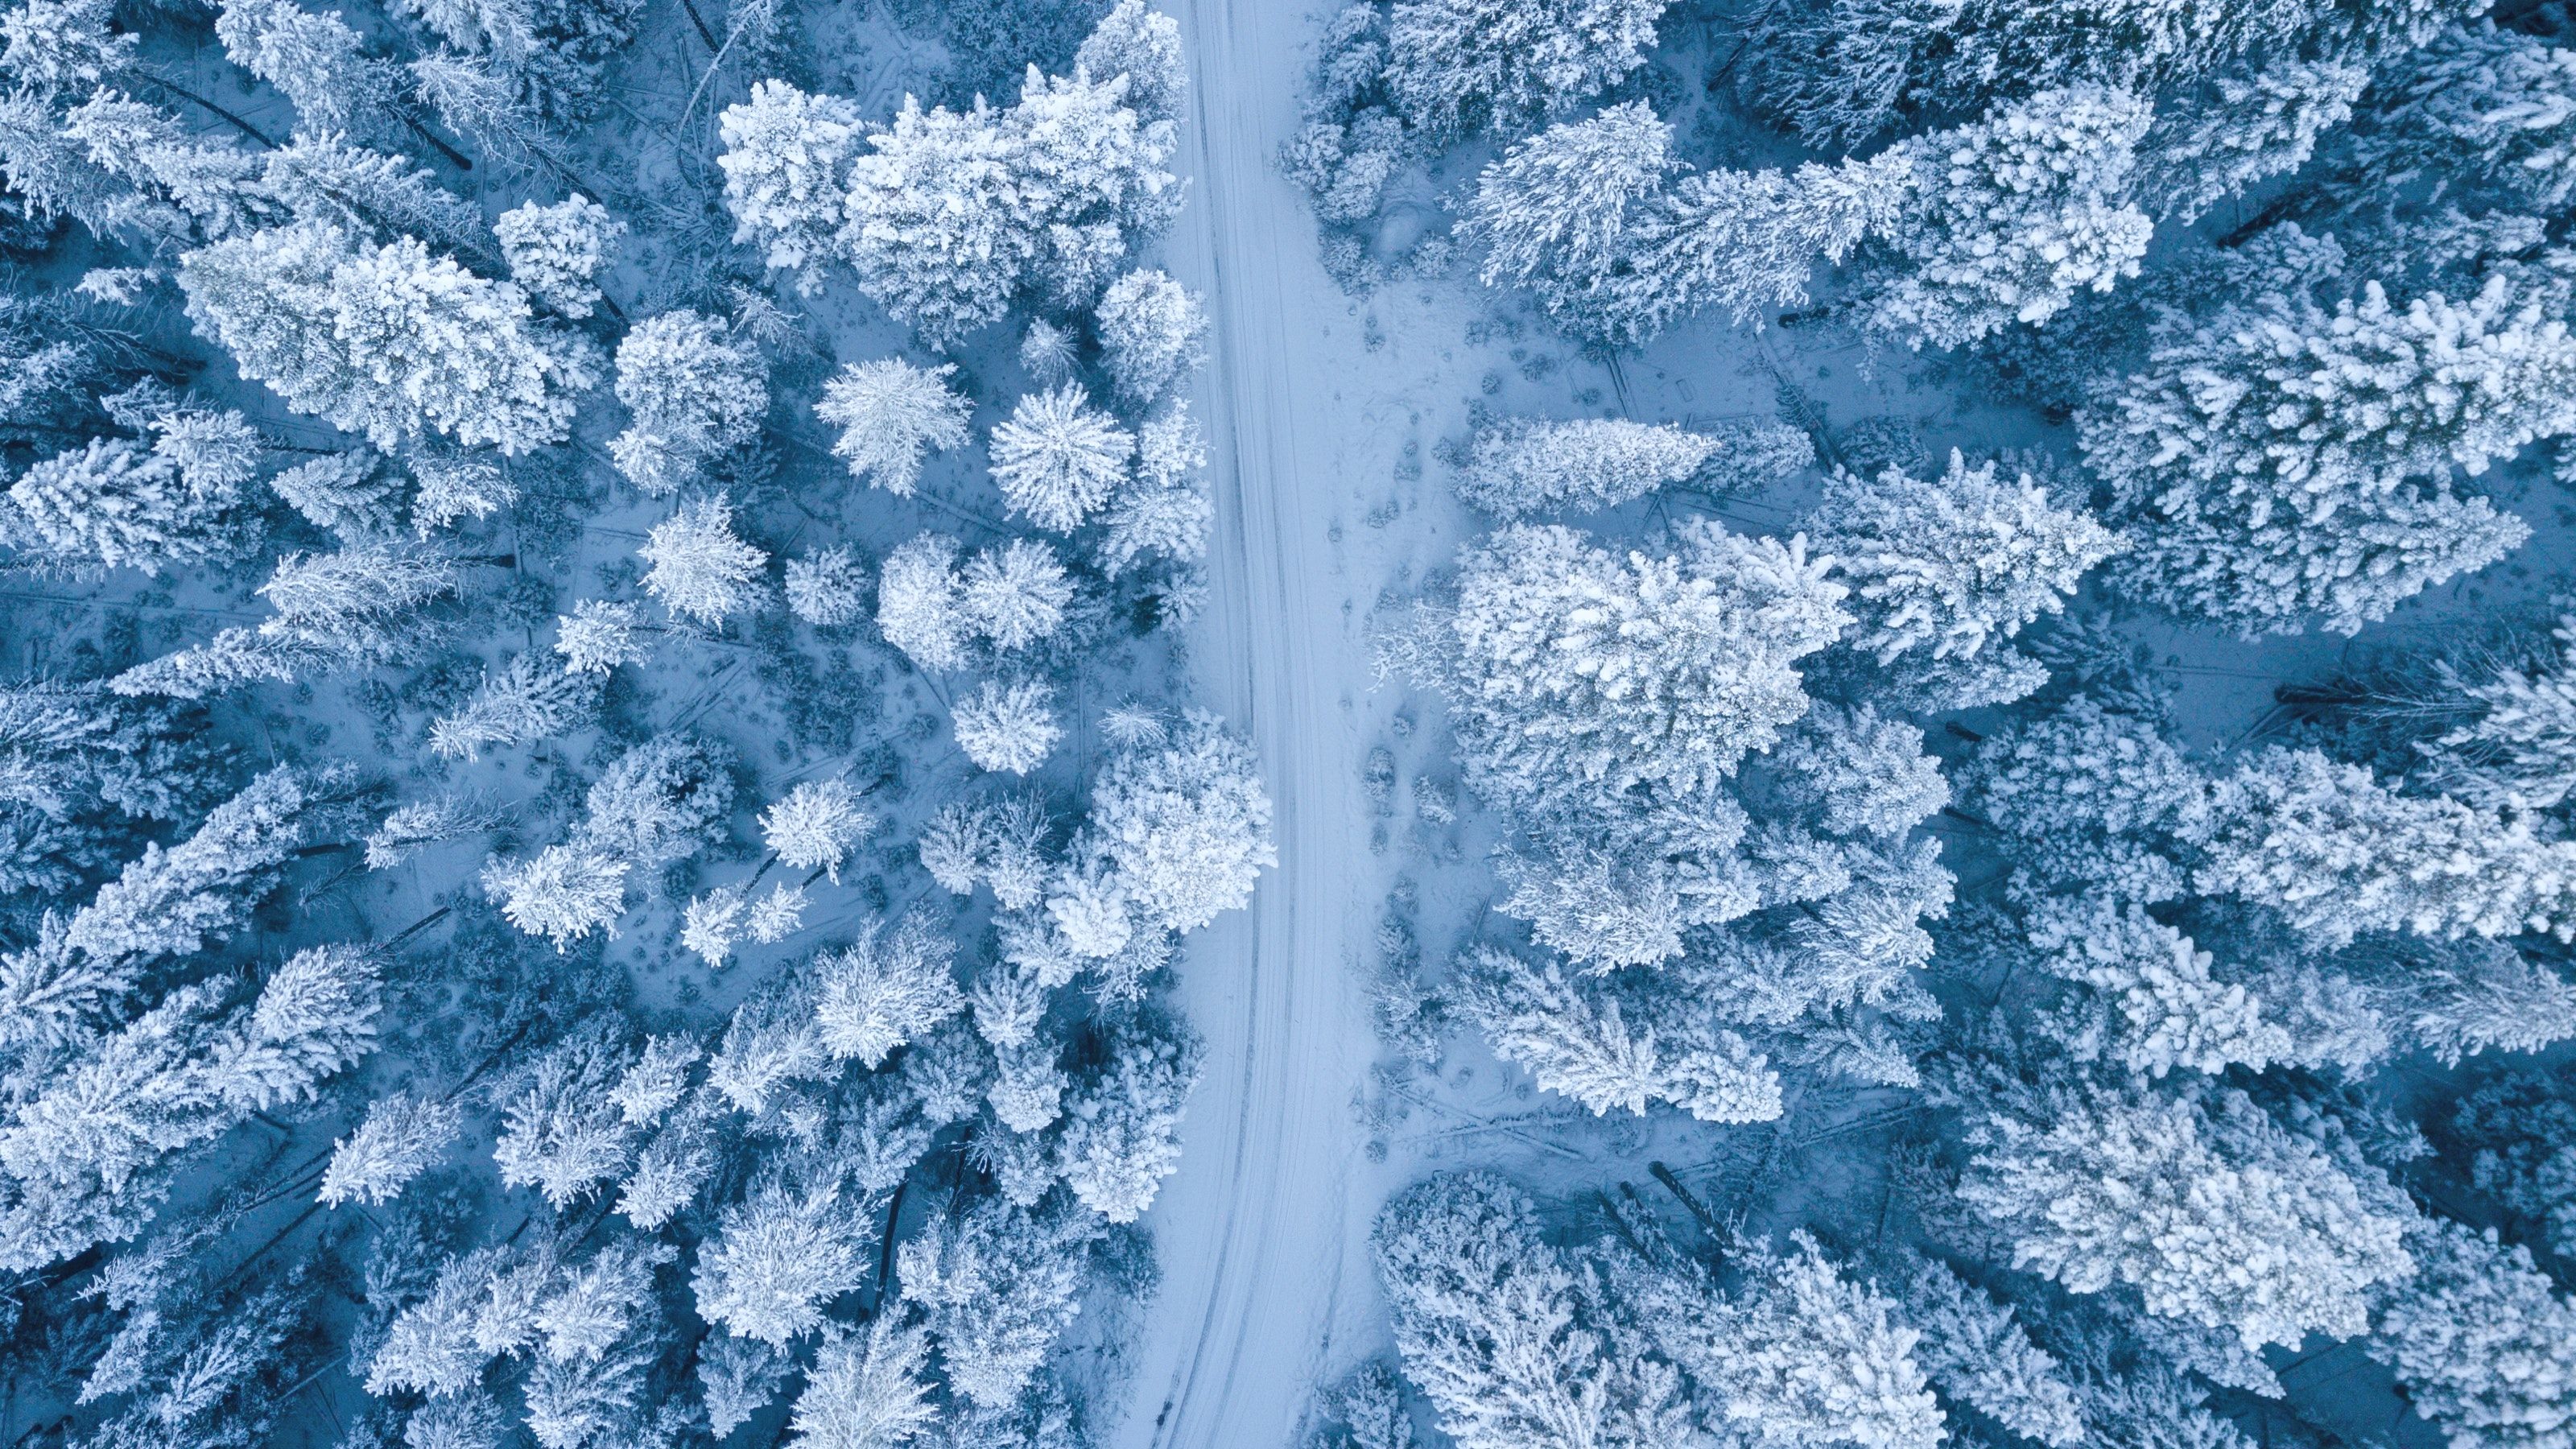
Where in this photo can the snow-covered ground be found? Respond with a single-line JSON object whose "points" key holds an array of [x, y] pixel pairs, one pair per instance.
{"points": [[1262, 1232]]}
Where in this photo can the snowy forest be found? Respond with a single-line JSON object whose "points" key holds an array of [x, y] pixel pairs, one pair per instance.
{"points": [[1518, 724]]}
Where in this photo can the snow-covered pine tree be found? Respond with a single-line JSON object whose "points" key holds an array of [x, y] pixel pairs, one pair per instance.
{"points": [[557, 252], [1015, 596], [1801, 1355], [2284, 460], [597, 636], [389, 341], [1519, 466], [2338, 853], [1121, 1134], [1607, 1047], [786, 165], [2012, 216], [815, 825], [1184, 822], [1944, 574], [891, 415], [563, 892], [2199, 1200], [1057, 459], [1143, 46], [1977, 1354], [123, 503], [779, 1256], [524, 701], [1488, 1325], [1563, 214], [889, 987], [829, 589], [700, 568], [2485, 1345], [1459, 67], [868, 1388], [1152, 333], [1008, 727], [997, 1283], [696, 392], [919, 607], [402, 1137]]}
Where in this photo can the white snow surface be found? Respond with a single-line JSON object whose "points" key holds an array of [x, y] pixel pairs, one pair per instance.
{"points": [[1263, 1232]]}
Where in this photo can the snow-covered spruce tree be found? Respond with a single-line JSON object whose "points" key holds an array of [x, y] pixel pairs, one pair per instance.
{"points": [[348, 493], [1183, 822], [1458, 67], [1145, 47], [557, 252], [892, 415], [828, 590], [526, 700], [1057, 459], [316, 61], [2484, 1344], [815, 825], [695, 391], [1489, 1324], [1008, 727], [2012, 216], [2196, 1198], [169, 902], [919, 610], [1015, 595], [777, 1259], [1944, 574], [664, 800], [390, 341], [701, 569], [1799, 1355], [2286, 460], [867, 1387], [1748, 241], [1521, 465], [2338, 853], [1566, 213], [1580, 1037], [997, 1282], [597, 636], [889, 987], [786, 164], [1164, 509], [124, 503], [2481, 108], [2518, 752], [563, 892], [1122, 1122], [89, 1156], [402, 1137], [1152, 332], [1977, 1354]]}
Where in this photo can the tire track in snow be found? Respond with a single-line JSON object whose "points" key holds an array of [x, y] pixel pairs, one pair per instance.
{"points": [[1254, 1230]]}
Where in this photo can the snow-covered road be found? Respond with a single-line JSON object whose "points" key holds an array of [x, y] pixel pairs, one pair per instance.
{"points": [[1261, 1232]]}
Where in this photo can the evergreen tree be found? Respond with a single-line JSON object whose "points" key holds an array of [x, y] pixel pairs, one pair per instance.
{"points": [[1458, 67], [695, 391], [563, 892], [2283, 460], [1976, 1353], [401, 1137], [1057, 460], [1144, 47], [1607, 1047], [2337, 853], [1487, 1323], [524, 701], [557, 252], [120, 503], [1016, 595], [1121, 1134], [786, 164], [891, 414], [1943, 574], [701, 570], [1521, 465], [815, 826], [597, 636], [2484, 1344], [997, 1283], [779, 1257], [867, 1390], [887, 988], [388, 341], [829, 590], [2013, 216], [1184, 823], [1152, 333], [1007, 727], [2202, 1203], [1564, 214]]}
